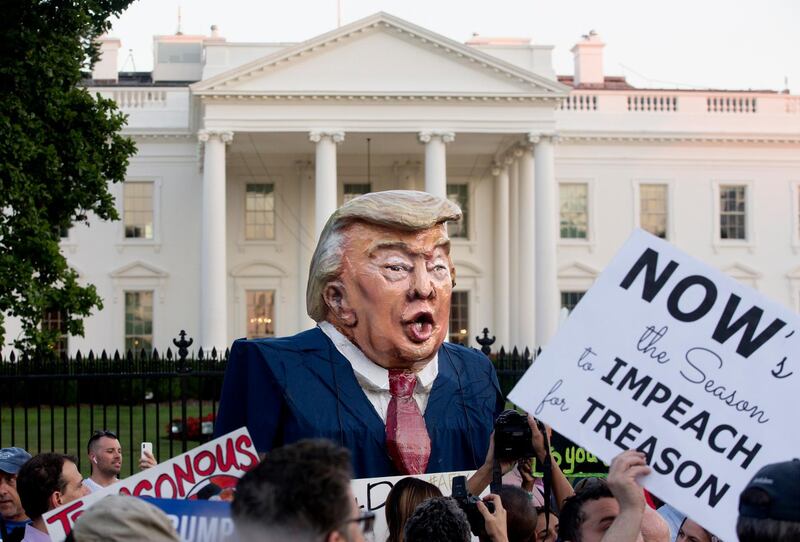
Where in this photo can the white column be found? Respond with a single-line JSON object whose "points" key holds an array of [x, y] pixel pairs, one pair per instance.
{"points": [[436, 160], [325, 180], [527, 291], [213, 257], [513, 247], [305, 243], [501, 255], [547, 295]]}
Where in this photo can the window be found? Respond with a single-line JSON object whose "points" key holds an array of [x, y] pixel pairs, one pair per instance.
{"points": [[56, 320], [139, 321], [138, 210], [260, 212], [574, 210], [732, 215], [459, 194], [260, 313], [353, 190], [570, 299], [653, 209], [179, 53], [459, 318]]}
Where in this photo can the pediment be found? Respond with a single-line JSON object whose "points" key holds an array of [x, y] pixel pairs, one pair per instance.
{"points": [[139, 270], [258, 270], [741, 271], [578, 270], [380, 55]]}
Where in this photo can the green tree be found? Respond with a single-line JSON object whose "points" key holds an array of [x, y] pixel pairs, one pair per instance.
{"points": [[60, 146]]}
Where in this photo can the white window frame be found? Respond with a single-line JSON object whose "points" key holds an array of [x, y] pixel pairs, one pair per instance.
{"points": [[749, 221], [127, 242], [794, 191], [352, 180], [589, 242], [470, 303], [156, 300], [261, 275], [637, 204], [470, 238], [240, 198]]}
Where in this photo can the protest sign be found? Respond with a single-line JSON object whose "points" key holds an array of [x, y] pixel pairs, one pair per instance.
{"points": [[198, 521], [213, 468], [371, 494], [667, 355], [573, 460]]}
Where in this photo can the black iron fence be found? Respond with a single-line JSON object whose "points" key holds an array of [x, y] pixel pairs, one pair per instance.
{"points": [[168, 398]]}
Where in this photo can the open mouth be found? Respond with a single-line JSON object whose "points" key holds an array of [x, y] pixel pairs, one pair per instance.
{"points": [[419, 327]]}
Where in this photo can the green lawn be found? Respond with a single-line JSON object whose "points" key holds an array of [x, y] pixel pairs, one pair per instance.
{"points": [[133, 425]]}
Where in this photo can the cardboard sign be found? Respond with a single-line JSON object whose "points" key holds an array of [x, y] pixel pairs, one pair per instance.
{"points": [[198, 521], [371, 494], [671, 357], [217, 464]]}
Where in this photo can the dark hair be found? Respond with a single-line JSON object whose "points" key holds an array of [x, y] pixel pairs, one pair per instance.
{"points": [[520, 513], [97, 435], [39, 478], [572, 516], [764, 530], [300, 491], [401, 502], [438, 520]]}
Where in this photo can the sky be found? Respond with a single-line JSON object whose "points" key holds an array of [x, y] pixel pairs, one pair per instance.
{"points": [[723, 44]]}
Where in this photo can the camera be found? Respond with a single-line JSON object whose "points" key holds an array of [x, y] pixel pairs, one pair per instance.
{"points": [[469, 504], [512, 436]]}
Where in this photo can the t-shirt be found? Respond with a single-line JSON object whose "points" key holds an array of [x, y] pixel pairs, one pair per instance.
{"points": [[12, 531], [92, 485]]}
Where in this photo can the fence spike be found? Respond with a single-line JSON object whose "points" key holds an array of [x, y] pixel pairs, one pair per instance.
{"points": [[527, 354], [214, 353], [169, 353], [78, 357], [227, 353], [129, 356], [104, 356], [116, 356], [200, 353], [155, 354], [90, 358], [143, 354], [12, 358]]}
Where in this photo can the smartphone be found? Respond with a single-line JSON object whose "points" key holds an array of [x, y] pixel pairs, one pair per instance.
{"points": [[147, 447]]}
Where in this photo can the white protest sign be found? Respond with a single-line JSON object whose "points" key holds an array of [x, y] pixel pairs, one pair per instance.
{"points": [[669, 356], [371, 494], [221, 461]]}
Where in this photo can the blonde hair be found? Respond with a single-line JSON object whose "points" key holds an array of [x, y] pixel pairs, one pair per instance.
{"points": [[406, 210]]}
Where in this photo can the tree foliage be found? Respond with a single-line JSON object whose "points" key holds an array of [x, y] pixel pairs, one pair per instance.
{"points": [[60, 146]]}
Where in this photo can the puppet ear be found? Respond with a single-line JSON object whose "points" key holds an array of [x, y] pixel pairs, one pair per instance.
{"points": [[335, 296]]}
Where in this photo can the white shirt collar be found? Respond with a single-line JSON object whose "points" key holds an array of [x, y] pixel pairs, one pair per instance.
{"points": [[369, 374]]}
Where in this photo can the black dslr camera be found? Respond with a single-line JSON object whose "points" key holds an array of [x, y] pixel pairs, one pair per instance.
{"points": [[512, 436], [469, 504]]}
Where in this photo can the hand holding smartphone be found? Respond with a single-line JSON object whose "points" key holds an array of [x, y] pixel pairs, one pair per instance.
{"points": [[147, 447]]}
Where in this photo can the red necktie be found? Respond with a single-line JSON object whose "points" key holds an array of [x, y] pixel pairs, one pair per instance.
{"points": [[406, 435]]}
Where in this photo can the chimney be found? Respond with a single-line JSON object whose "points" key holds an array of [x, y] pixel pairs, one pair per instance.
{"points": [[589, 60], [105, 69]]}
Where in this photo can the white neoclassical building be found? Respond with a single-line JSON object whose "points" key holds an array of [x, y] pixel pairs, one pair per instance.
{"points": [[246, 148]]}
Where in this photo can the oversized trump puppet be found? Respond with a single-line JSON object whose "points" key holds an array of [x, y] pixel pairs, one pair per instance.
{"points": [[375, 374]]}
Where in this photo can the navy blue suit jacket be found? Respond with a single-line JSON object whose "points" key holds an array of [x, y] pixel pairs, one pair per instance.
{"points": [[299, 387]]}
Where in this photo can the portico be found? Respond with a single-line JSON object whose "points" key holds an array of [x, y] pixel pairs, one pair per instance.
{"points": [[489, 125]]}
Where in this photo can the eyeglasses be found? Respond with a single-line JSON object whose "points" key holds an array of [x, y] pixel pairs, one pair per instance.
{"points": [[366, 519]]}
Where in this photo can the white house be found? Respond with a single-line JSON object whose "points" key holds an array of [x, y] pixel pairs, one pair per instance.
{"points": [[246, 148]]}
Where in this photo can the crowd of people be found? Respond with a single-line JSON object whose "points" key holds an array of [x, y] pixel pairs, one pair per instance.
{"points": [[302, 492]]}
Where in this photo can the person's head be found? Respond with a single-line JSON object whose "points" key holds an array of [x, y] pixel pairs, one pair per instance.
{"points": [[48, 481], [11, 460], [587, 515], [545, 532], [691, 531], [401, 502], [438, 520], [382, 274], [124, 518], [769, 507], [105, 453], [300, 492], [520, 514]]}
